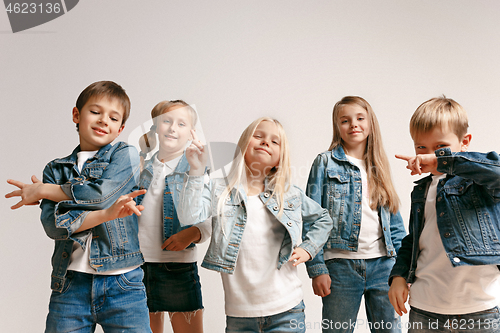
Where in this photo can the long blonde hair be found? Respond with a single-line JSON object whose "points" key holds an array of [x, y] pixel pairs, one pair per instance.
{"points": [[147, 142], [278, 177], [382, 191]]}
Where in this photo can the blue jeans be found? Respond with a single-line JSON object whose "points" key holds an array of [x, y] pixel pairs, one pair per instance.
{"points": [[116, 302], [487, 321], [351, 279], [291, 321]]}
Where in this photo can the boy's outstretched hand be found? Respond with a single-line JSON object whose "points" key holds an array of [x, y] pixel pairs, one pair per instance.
{"points": [[421, 163], [398, 294], [125, 206], [29, 193], [197, 156], [299, 255]]}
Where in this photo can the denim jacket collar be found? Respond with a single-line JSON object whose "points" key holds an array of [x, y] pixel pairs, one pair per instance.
{"points": [[338, 153], [73, 158]]}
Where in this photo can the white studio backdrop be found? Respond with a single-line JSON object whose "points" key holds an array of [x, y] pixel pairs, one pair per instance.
{"points": [[236, 61]]}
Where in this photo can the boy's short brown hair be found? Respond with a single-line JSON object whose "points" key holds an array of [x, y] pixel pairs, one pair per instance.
{"points": [[107, 89], [442, 112]]}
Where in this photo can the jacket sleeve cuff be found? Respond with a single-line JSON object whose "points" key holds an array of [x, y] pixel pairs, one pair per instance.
{"points": [[398, 270], [444, 160], [70, 220], [194, 182], [316, 270], [67, 187], [310, 248]]}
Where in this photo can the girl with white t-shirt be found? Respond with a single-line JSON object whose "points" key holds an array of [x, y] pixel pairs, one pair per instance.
{"points": [[257, 220], [170, 269], [352, 180]]}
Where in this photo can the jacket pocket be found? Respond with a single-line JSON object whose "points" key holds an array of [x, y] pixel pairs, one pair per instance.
{"points": [[476, 231], [339, 182], [95, 170], [292, 209], [338, 193]]}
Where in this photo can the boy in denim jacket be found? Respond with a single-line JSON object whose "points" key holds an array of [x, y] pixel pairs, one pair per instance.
{"points": [[88, 209], [451, 254]]}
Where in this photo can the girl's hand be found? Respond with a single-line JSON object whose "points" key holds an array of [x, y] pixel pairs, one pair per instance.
{"points": [[321, 285], [299, 255], [30, 193], [197, 156], [125, 206], [182, 239], [398, 294], [421, 163]]}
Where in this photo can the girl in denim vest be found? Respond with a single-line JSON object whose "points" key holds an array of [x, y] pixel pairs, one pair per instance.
{"points": [[170, 271], [257, 219], [352, 180]]}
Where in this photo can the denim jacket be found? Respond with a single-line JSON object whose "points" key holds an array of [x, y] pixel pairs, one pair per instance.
{"points": [[199, 201], [335, 183], [467, 208], [173, 187], [113, 171]]}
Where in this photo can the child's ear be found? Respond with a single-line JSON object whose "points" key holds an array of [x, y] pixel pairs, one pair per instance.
{"points": [[76, 115], [192, 134], [121, 129], [465, 142]]}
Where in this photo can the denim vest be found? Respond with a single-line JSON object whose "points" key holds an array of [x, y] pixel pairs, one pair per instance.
{"points": [[113, 171], [199, 201], [335, 183], [173, 187], [467, 208]]}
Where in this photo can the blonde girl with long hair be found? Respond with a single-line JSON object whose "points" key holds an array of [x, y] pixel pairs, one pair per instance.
{"points": [[170, 269], [257, 220], [352, 181]]}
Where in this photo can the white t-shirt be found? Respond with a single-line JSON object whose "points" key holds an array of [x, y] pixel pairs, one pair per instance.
{"points": [[258, 288], [370, 239], [80, 259], [151, 219], [441, 288]]}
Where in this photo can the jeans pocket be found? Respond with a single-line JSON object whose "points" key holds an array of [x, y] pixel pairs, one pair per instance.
{"points": [[67, 283], [131, 280]]}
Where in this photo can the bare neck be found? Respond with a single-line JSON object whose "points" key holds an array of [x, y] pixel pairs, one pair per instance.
{"points": [[255, 183], [357, 152], [164, 156]]}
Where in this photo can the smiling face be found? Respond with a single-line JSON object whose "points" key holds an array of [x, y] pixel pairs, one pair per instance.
{"points": [[354, 126], [174, 131], [99, 122], [263, 150], [440, 137]]}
